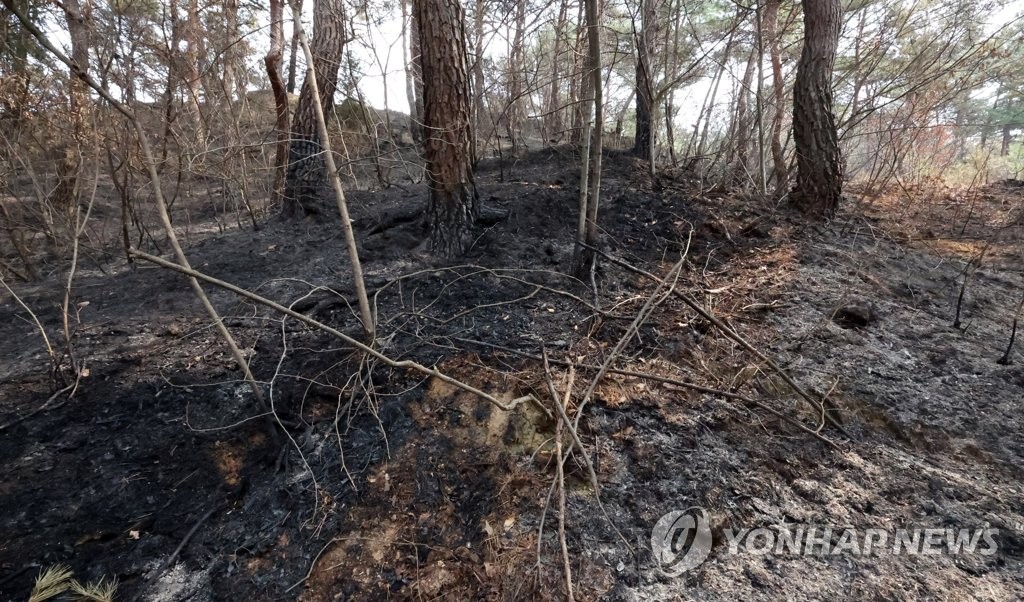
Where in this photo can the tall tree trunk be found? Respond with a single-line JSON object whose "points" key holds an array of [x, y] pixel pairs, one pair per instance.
{"points": [[293, 53], [643, 141], [819, 184], [273, 63], [232, 58], [741, 168], [305, 163], [1004, 147], [771, 31], [410, 77], [762, 177], [553, 125], [597, 134], [64, 196], [516, 114], [193, 35], [482, 124], [454, 205], [579, 90], [414, 75]]}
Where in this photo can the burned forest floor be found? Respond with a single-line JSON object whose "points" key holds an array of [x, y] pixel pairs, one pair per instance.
{"points": [[160, 470]]}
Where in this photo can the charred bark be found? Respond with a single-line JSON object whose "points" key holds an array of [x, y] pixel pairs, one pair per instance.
{"points": [[643, 141], [819, 183]]}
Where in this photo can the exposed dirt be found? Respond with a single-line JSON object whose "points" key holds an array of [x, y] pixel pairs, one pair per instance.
{"points": [[419, 491]]}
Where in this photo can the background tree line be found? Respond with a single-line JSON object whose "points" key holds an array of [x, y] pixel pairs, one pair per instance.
{"points": [[782, 99]]}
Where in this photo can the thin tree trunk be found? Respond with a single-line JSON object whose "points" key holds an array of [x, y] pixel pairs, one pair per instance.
{"points": [[481, 122], [780, 170], [410, 78], [583, 257], [331, 170], [579, 86], [553, 125], [305, 159], [294, 51], [670, 134], [741, 168], [819, 184], [231, 52], [710, 102], [273, 63], [597, 134], [762, 178], [516, 114], [415, 72]]}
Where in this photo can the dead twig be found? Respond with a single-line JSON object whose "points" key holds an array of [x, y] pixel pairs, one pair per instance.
{"points": [[670, 381], [312, 565], [817, 405], [39, 326], [1007, 359], [638, 321], [174, 555], [45, 406], [560, 472], [401, 364], [562, 416]]}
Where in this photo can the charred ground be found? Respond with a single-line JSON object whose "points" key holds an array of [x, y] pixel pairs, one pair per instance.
{"points": [[408, 489]]}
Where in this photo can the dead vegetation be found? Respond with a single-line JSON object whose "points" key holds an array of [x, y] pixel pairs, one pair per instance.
{"points": [[396, 483]]}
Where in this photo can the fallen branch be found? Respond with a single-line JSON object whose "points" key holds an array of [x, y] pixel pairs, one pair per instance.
{"points": [[669, 381], [401, 364], [816, 405]]}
